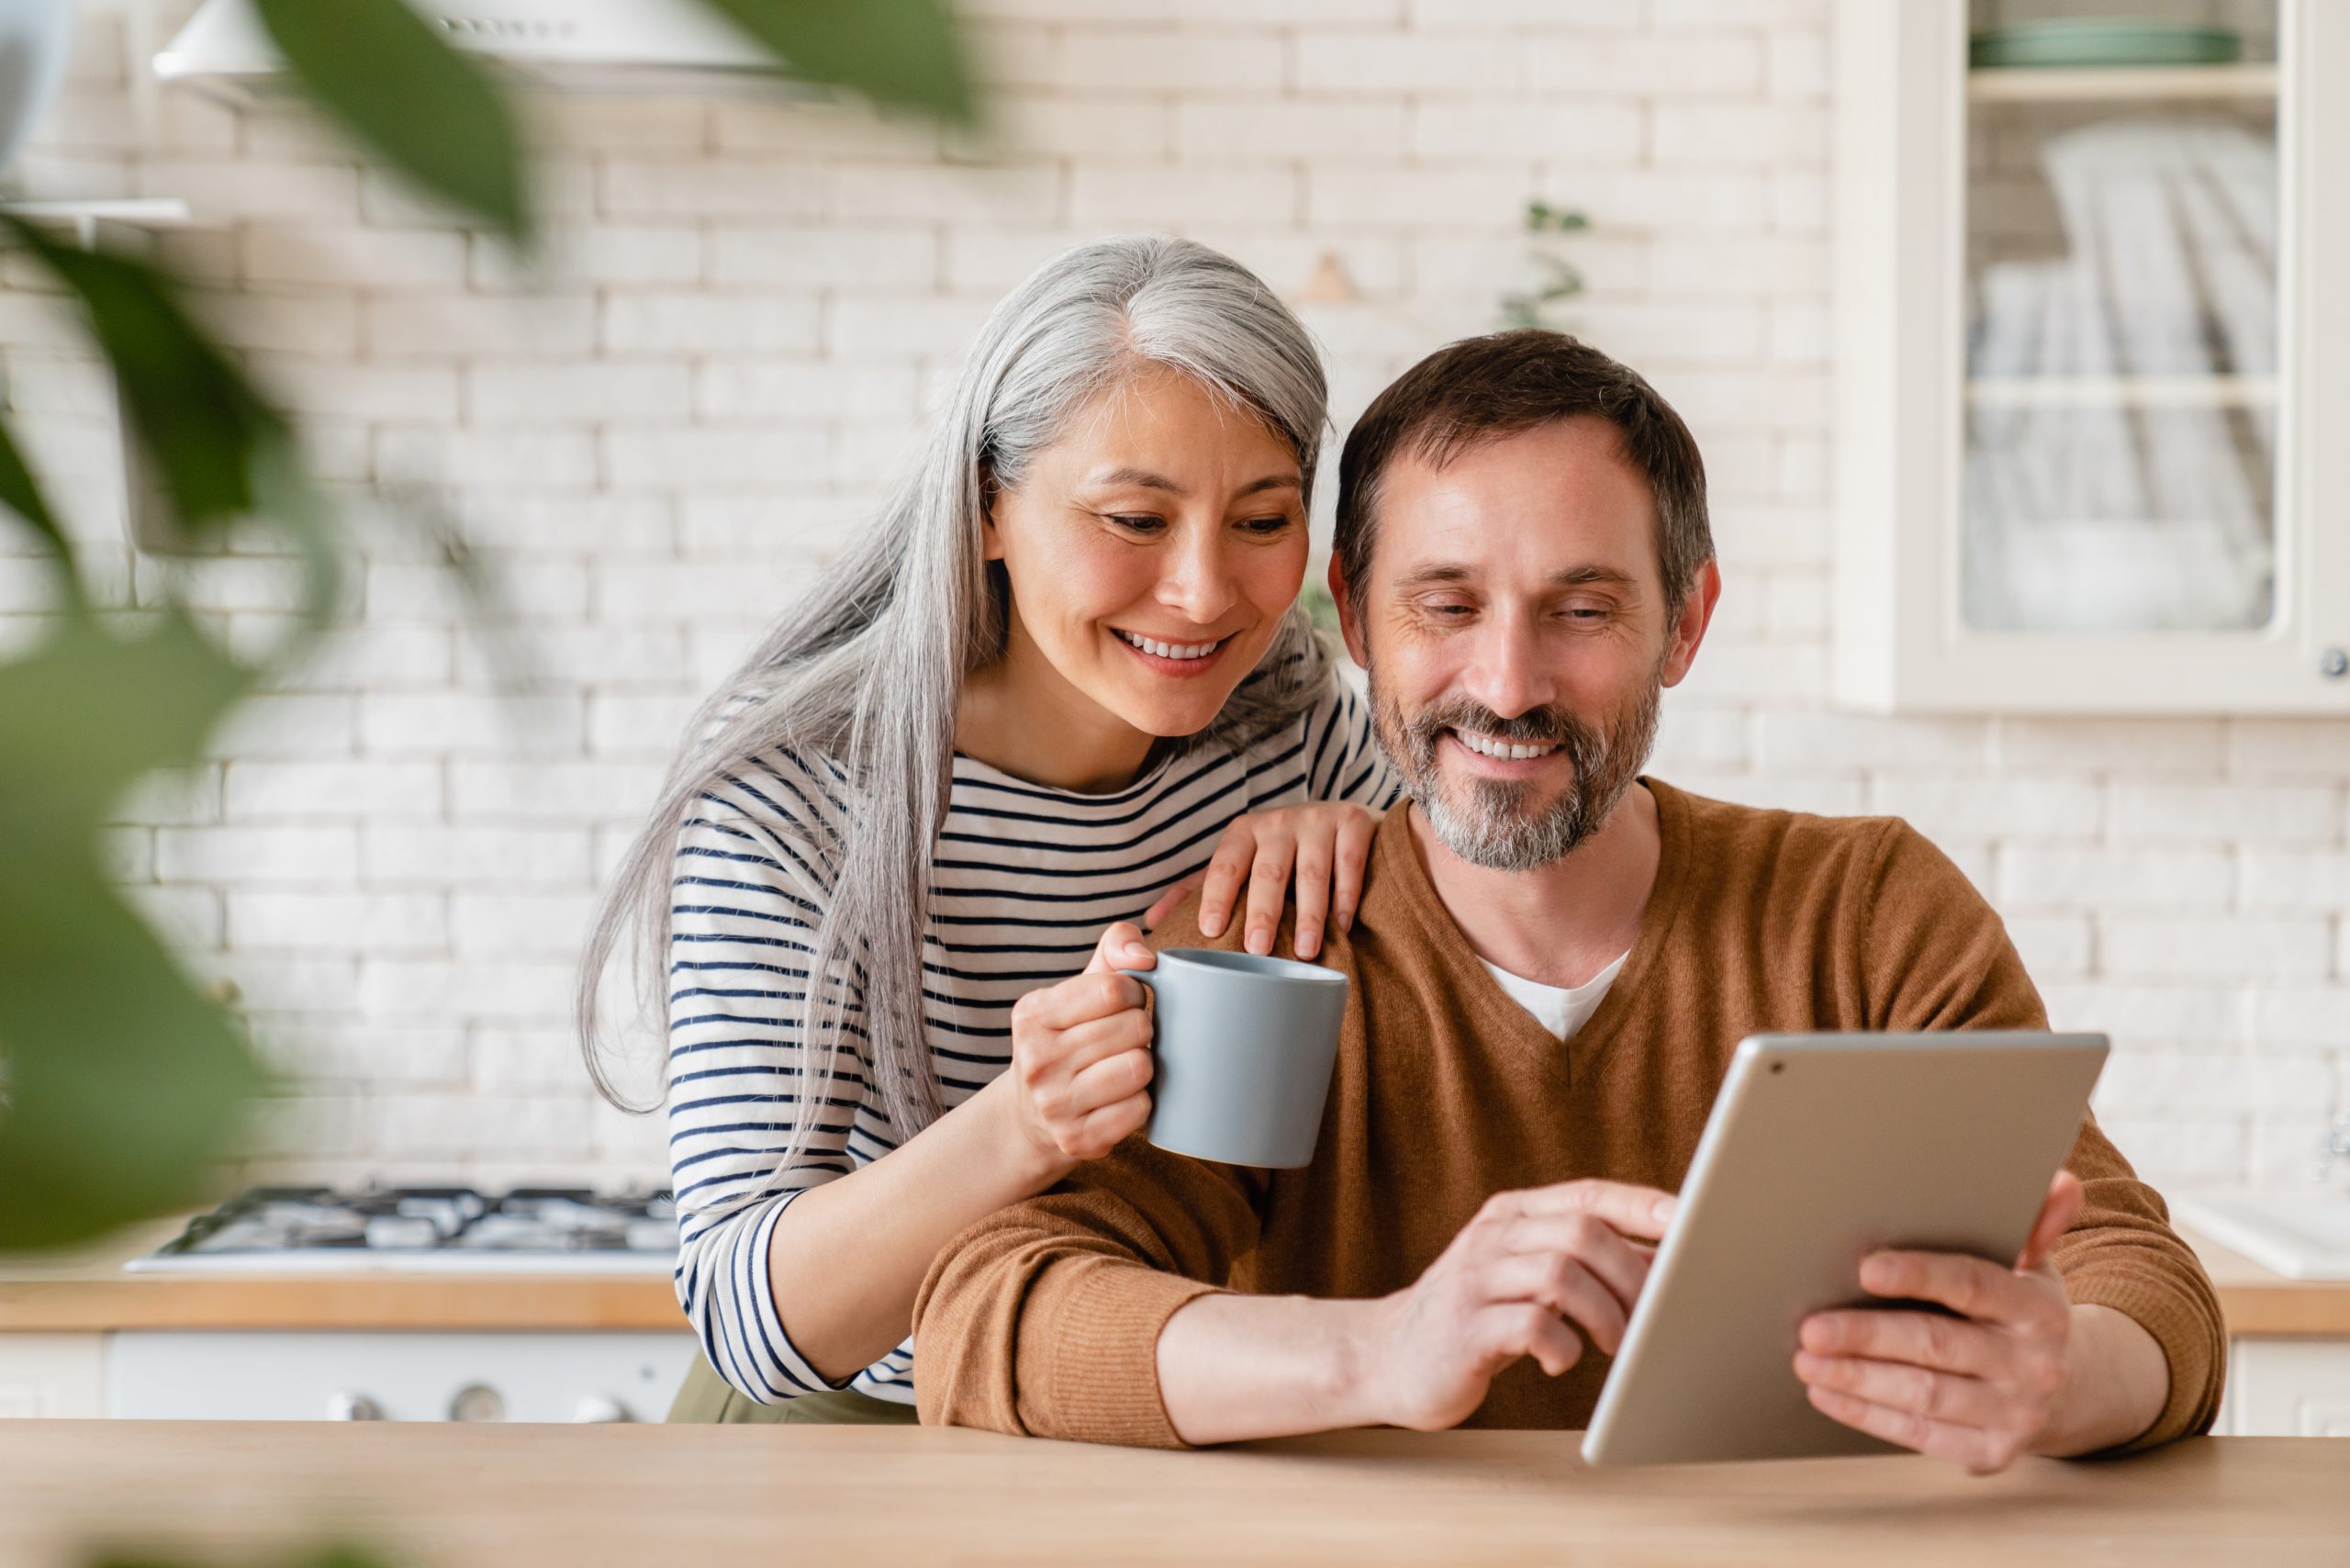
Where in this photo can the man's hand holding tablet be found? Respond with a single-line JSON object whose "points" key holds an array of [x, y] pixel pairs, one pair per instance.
{"points": [[1997, 1379]]}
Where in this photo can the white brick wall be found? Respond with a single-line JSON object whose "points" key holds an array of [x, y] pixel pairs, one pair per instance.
{"points": [[727, 347]]}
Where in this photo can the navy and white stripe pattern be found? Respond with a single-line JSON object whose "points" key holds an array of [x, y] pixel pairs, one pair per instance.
{"points": [[1023, 881]]}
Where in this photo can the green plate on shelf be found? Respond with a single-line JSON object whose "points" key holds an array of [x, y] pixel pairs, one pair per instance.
{"points": [[2088, 41]]}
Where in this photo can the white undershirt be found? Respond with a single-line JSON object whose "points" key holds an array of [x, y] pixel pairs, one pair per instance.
{"points": [[1562, 1009]]}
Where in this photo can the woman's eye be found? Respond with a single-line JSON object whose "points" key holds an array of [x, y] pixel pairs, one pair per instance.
{"points": [[1139, 522], [1266, 525]]}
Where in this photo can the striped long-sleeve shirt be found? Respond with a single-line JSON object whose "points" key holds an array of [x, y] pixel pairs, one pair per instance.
{"points": [[1024, 880]]}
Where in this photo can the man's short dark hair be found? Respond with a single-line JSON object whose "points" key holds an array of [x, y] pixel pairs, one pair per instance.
{"points": [[1504, 384]]}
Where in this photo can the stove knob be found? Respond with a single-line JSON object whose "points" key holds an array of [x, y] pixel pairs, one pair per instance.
{"points": [[476, 1402], [348, 1407], [600, 1407]]}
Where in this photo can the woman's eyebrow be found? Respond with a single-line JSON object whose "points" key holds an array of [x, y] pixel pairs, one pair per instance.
{"points": [[1142, 478], [1111, 478]]}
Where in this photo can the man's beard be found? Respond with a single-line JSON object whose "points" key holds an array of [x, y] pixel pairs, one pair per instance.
{"points": [[1495, 822]]}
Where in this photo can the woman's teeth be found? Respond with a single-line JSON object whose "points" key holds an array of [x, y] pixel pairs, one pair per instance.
{"points": [[1485, 747], [1171, 650]]}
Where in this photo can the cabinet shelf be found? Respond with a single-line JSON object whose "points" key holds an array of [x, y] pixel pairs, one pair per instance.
{"points": [[2020, 83], [2130, 391]]}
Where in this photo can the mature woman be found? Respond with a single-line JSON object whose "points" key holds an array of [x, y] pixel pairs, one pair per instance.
{"points": [[1066, 672]]}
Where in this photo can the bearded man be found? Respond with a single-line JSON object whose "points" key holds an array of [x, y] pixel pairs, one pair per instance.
{"points": [[1552, 961]]}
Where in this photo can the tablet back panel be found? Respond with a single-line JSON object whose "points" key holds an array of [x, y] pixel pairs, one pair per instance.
{"points": [[1820, 1149]]}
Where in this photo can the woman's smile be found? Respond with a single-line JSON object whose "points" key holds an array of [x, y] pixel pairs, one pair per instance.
{"points": [[1181, 659]]}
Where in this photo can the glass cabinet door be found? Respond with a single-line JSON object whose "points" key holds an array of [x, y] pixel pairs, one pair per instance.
{"points": [[2121, 308], [2093, 383]]}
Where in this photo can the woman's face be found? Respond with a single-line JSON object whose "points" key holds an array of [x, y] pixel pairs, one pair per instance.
{"points": [[1152, 552]]}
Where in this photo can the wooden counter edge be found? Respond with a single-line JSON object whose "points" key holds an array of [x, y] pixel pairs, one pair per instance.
{"points": [[86, 1292], [89, 1293], [459, 1302]]}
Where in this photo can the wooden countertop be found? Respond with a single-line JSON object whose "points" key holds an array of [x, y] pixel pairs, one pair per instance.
{"points": [[453, 1497], [2261, 1304], [88, 1292]]}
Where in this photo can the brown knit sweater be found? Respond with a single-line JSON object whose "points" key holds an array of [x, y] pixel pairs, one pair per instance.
{"points": [[1044, 1318]]}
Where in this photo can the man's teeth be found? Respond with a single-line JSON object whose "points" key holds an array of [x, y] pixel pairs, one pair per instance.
{"points": [[1171, 650], [1485, 747]]}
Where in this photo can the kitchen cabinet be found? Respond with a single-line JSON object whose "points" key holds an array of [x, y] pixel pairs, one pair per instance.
{"points": [[50, 1375], [2093, 362], [307, 1375], [80, 1338], [2288, 1388], [2288, 1349]]}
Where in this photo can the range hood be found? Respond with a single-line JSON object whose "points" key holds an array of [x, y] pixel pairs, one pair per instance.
{"points": [[594, 45]]}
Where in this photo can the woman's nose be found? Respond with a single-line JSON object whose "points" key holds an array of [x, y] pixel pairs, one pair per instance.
{"points": [[1198, 582]]}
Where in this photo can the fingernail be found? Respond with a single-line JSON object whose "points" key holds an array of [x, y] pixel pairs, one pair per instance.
{"points": [[1260, 942], [1211, 922]]}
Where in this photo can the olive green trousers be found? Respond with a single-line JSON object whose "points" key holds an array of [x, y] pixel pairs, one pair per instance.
{"points": [[706, 1396]]}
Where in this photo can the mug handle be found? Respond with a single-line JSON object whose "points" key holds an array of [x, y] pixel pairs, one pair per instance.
{"points": [[1149, 979]]}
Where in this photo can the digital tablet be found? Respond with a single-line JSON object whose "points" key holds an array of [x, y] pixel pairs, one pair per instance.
{"points": [[1820, 1149]]}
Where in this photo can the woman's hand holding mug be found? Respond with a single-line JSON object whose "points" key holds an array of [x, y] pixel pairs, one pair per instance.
{"points": [[1326, 844], [1081, 1070]]}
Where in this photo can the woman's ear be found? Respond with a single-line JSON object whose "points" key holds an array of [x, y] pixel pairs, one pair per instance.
{"points": [[990, 537]]}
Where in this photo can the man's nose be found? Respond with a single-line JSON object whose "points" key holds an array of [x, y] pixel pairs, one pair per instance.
{"points": [[1198, 582], [1510, 673]]}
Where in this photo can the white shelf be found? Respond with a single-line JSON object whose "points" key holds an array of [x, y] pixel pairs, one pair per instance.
{"points": [[2134, 391], [2030, 84], [145, 212]]}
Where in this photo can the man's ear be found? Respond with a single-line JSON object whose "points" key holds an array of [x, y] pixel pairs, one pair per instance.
{"points": [[1349, 622], [1689, 626]]}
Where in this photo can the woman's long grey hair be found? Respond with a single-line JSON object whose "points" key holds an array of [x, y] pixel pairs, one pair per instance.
{"points": [[867, 670]]}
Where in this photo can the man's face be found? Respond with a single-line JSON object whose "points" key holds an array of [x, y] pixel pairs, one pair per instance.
{"points": [[1517, 635]]}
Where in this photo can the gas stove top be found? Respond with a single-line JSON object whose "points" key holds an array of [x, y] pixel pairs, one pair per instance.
{"points": [[425, 1229]]}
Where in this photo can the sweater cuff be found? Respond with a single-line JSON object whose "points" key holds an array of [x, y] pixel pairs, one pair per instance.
{"points": [[2181, 1325], [1100, 1356]]}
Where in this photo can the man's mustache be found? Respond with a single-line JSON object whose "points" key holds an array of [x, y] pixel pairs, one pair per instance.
{"points": [[1536, 726]]}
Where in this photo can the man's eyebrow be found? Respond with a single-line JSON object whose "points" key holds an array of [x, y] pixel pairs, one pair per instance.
{"points": [[1569, 577]]}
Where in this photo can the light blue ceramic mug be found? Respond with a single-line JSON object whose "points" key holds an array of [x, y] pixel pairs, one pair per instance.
{"points": [[1244, 1049]]}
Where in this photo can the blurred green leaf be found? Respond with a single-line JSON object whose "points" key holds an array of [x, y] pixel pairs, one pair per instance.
{"points": [[220, 451], [342, 1555], [380, 69], [21, 494], [894, 52], [1542, 218], [191, 409], [122, 1081], [1320, 608]]}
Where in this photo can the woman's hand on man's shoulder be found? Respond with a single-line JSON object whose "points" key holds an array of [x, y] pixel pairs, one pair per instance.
{"points": [[1323, 846]]}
